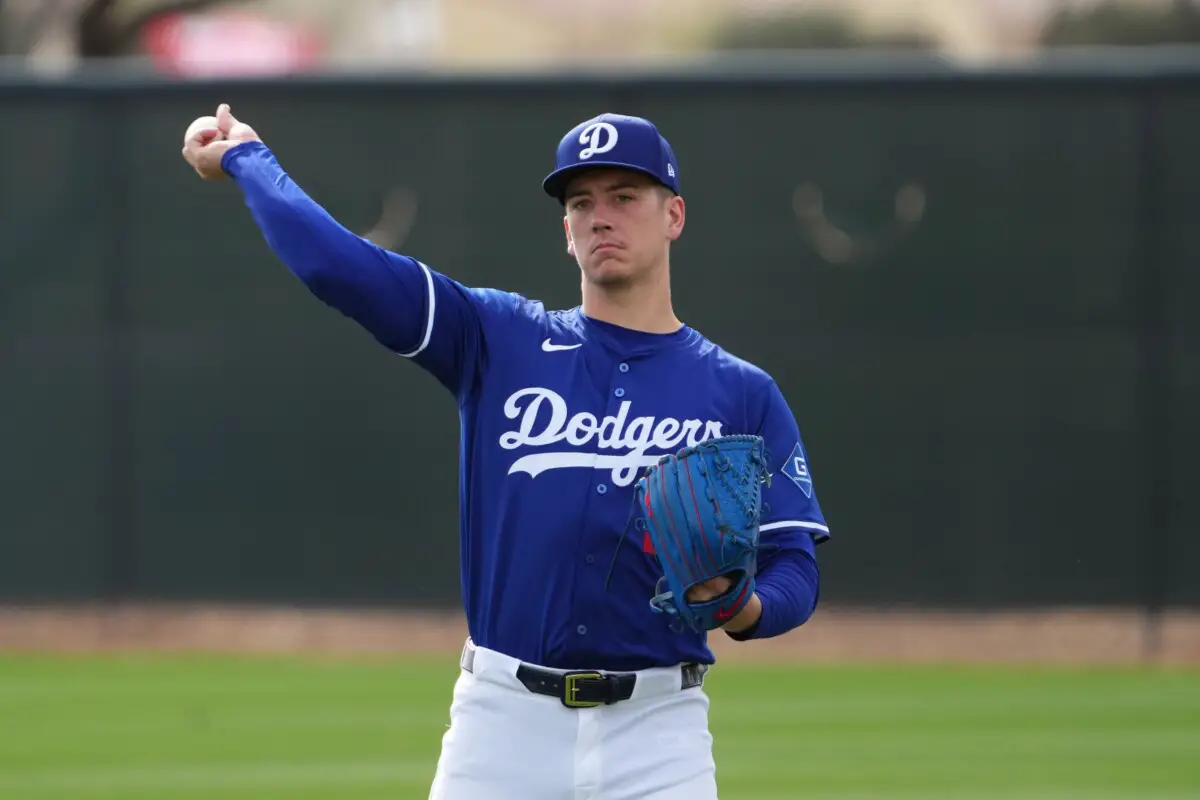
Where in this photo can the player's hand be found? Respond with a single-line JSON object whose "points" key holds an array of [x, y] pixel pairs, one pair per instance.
{"points": [[710, 589], [209, 138]]}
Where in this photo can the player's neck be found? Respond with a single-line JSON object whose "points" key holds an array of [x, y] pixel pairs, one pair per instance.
{"points": [[640, 308]]}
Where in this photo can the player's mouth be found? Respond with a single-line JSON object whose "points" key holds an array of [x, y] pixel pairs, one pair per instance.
{"points": [[606, 247]]}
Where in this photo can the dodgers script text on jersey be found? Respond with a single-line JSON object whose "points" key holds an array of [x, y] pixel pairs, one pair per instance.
{"points": [[559, 413], [545, 419]]}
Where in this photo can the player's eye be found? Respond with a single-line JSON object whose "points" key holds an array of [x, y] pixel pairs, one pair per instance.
{"points": [[625, 198]]}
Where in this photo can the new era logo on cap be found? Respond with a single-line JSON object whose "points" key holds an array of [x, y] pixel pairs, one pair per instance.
{"points": [[613, 140]]}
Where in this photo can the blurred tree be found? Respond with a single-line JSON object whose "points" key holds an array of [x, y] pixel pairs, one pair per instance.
{"points": [[811, 30], [1113, 22], [99, 28], [21, 29], [110, 28]]}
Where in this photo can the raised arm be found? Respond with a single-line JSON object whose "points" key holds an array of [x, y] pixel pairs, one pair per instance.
{"points": [[408, 308]]}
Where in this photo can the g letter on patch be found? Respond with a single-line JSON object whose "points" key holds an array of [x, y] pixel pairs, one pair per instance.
{"points": [[796, 468]]}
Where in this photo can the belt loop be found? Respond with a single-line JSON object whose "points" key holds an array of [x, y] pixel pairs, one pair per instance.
{"points": [[467, 660], [693, 675]]}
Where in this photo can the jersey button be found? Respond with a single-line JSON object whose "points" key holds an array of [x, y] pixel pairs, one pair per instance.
{"points": [[619, 392], [581, 630], [602, 488], [589, 558], [624, 368]]}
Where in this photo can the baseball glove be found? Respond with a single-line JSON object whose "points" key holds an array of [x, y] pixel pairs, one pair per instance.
{"points": [[702, 510]]}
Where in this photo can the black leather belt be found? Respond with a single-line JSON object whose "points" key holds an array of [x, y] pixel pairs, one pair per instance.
{"points": [[582, 689]]}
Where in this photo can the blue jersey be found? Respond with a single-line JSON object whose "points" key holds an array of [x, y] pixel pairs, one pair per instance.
{"points": [[559, 414]]}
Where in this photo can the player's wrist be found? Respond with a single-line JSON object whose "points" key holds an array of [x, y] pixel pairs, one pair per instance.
{"points": [[747, 618]]}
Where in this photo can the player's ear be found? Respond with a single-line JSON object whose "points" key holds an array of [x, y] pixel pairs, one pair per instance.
{"points": [[570, 241], [676, 211]]}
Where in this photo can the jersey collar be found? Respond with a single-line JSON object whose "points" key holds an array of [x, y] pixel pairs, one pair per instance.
{"points": [[630, 342]]}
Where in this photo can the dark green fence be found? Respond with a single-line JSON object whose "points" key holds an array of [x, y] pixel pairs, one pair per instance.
{"points": [[978, 291]]}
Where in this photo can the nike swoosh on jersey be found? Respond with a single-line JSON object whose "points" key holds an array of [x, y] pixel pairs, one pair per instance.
{"points": [[550, 348]]}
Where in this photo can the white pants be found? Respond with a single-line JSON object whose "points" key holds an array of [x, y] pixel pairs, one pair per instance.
{"points": [[507, 743]]}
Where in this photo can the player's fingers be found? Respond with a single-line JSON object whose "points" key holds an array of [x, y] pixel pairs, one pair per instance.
{"points": [[206, 136]]}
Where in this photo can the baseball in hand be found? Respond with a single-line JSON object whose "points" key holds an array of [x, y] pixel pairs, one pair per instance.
{"points": [[208, 139], [202, 123]]}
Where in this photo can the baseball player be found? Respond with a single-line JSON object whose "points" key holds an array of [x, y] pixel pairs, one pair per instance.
{"points": [[573, 683]]}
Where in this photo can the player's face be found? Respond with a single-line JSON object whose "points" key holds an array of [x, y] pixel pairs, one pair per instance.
{"points": [[619, 225]]}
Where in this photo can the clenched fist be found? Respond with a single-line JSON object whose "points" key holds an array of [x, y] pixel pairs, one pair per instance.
{"points": [[209, 138]]}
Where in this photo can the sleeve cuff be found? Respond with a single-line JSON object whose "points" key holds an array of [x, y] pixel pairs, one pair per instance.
{"points": [[747, 634], [229, 160]]}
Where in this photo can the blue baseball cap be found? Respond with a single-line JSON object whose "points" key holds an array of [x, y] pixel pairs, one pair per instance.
{"points": [[613, 140]]}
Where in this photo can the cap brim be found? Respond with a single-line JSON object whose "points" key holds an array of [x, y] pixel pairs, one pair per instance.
{"points": [[555, 184]]}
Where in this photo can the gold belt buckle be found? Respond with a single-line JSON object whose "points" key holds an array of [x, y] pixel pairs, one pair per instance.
{"points": [[571, 689]]}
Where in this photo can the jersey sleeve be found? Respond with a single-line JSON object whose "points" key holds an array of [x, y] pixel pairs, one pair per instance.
{"points": [[451, 345], [407, 307], [792, 514]]}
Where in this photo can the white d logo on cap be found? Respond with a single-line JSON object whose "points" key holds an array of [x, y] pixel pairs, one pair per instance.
{"points": [[600, 137]]}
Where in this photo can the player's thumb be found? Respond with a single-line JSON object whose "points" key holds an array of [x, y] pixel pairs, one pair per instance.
{"points": [[225, 119]]}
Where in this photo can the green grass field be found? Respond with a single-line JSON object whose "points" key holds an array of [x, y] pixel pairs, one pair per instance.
{"points": [[163, 728]]}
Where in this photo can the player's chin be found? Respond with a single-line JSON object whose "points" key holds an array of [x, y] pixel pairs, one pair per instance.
{"points": [[609, 271]]}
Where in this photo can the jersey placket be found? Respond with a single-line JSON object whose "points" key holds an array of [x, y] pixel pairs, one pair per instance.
{"points": [[606, 502]]}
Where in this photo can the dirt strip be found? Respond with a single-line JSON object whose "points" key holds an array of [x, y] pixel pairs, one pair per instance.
{"points": [[844, 635]]}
